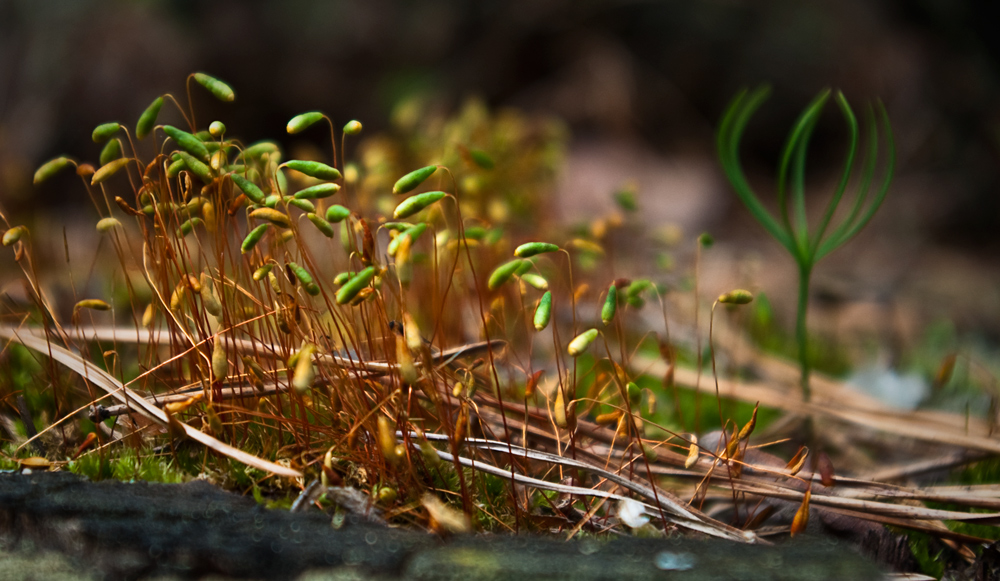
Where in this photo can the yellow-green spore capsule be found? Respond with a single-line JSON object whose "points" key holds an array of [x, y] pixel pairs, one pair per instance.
{"points": [[111, 151], [187, 142], [175, 168], [318, 191], [353, 127], [736, 297], [610, 305], [305, 371], [304, 205], [535, 280], [580, 343], [106, 224], [106, 171], [262, 272], [342, 278], [93, 304], [321, 225], [303, 121], [104, 132], [413, 232], [410, 181], [148, 118], [217, 129], [259, 149], [253, 238], [336, 213], [187, 226], [314, 169], [530, 249], [414, 204], [198, 168], [208, 298], [220, 359], [13, 235], [305, 278], [51, 168], [352, 287], [220, 90], [271, 215], [543, 312], [503, 273]]}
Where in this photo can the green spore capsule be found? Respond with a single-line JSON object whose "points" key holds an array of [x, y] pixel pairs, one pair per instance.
{"points": [[529, 249], [259, 149], [397, 226], [198, 168], [188, 226], [204, 136], [105, 131], [321, 225], [220, 90], [736, 297], [262, 272], [413, 232], [314, 169], [503, 273], [706, 240], [272, 201], [342, 278], [412, 205], [637, 287], [318, 191], [106, 224], [176, 167], [51, 168], [271, 215], [481, 159], [253, 238], [353, 127], [304, 205], [581, 342], [187, 142], [305, 278], [249, 188], [543, 312], [111, 151], [13, 235], [352, 287], [610, 305], [217, 129], [106, 171], [148, 118], [303, 121], [410, 181], [535, 280], [337, 213]]}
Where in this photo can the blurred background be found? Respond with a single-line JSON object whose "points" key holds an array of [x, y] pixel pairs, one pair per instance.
{"points": [[639, 86]]}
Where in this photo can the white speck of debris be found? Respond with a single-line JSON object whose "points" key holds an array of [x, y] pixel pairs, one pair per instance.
{"points": [[632, 513], [667, 561]]}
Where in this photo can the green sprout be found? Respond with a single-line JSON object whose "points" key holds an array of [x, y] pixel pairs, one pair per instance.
{"points": [[792, 229]]}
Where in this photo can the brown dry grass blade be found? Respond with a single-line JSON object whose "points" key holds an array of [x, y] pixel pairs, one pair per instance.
{"points": [[115, 389]]}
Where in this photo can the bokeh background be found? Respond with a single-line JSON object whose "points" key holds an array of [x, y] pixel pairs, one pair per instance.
{"points": [[640, 85]]}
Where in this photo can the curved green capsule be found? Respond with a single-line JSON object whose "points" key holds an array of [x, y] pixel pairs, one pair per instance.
{"points": [[352, 287], [543, 312], [337, 213], [106, 224], [413, 232], [253, 238], [304, 205], [536, 280], [175, 168], [13, 235], [397, 226], [529, 249], [736, 297], [321, 225], [106, 171], [318, 191], [413, 179], [353, 127], [187, 142], [261, 273], [343, 277], [260, 148], [148, 118], [412, 205], [610, 305], [503, 273], [302, 122], [188, 226], [111, 151], [51, 168], [580, 343], [305, 278], [271, 215], [272, 201], [220, 90], [104, 131], [481, 158], [248, 187], [197, 167], [314, 169]]}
